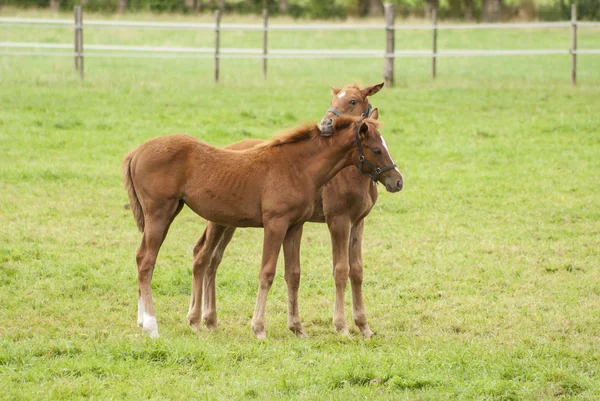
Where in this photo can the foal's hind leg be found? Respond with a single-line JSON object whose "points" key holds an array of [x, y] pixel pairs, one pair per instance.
{"points": [[158, 218], [356, 278], [203, 254], [209, 307], [291, 252], [339, 228]]}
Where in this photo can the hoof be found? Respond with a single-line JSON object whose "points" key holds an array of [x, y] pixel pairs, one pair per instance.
{"points": [[194, 321], [370, 335], [366, 331], [150, 326], [196, 327], [301, 334], [298, 331], [210, 324], [259, 331], [152, 333], [342, 329]]}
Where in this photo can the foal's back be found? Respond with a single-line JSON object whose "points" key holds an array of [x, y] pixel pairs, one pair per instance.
{"points": [[193, 160], [215, 183]]}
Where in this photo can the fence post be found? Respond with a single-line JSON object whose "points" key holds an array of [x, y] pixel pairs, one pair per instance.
{"points": [[217, 43], [78, 15], [434, 58], [388, 68], [75, 38], [265, 32], [573, 44], [81, 43]]}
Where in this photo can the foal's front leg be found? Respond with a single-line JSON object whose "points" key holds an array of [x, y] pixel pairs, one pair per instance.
{"points": [[356, 279], [339, 228], [275, 232], [291, 252]]}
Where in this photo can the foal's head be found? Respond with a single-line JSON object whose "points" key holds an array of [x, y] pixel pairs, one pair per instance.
{"points": [[372, 154], [348, 101]]}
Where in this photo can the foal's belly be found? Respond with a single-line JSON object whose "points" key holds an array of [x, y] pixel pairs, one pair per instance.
{"points": [[238, 213]]}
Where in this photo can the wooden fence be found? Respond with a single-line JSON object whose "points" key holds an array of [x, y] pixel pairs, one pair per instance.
{"points": [[218, 53]]}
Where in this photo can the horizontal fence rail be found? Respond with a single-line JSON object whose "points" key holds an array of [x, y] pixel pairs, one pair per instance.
{"points": [[67, 23], [275, 53], [127, 51]]}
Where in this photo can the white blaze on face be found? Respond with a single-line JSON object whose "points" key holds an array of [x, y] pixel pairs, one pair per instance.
{"points": [[388, 151], [342, 94]]}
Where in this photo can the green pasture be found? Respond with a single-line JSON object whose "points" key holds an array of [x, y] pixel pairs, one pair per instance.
{"points": [[482, 276]]}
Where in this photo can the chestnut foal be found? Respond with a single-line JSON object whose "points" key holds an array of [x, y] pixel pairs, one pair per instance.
{"points": [[344, 203], [274, 186]]}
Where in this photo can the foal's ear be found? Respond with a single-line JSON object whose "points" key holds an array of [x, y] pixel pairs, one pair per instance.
{"points": [[374, 114], [362, 131], [371, 90], [335, 91]]}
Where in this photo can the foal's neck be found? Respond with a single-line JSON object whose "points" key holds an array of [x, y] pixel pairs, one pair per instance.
{"points": [[322, 161]]}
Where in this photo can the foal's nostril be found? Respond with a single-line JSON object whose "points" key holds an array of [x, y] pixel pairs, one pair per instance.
{"points": [[330, 121], [399, 184]]}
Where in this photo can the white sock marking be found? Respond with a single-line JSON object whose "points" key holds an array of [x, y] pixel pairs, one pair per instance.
{"points": [[150, 325], [140, 312]]}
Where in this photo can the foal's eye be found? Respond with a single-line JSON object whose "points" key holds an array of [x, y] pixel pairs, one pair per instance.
{"points": [[377, 151], [353, 102]]}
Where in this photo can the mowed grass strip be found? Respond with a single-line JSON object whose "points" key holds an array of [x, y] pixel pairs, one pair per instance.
{"points": [[481, 276]]}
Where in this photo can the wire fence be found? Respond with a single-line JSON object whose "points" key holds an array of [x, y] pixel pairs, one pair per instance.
{"points": [[76, 49]]}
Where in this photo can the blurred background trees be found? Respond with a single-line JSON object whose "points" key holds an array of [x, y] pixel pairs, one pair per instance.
{"points": [[481, 10]]}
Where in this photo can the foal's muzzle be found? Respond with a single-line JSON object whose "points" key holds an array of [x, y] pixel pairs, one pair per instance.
{"points": [[394, 187], [326, 126]]}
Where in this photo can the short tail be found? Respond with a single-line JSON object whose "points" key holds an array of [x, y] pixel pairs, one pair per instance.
{"points": [[134, 202]]}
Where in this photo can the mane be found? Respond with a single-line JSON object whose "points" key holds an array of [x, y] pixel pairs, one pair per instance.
{"points": [[308, 131], [297, 134], [343, 122]]}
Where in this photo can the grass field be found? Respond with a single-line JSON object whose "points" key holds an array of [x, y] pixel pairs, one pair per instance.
{"points": [[482, 276]]}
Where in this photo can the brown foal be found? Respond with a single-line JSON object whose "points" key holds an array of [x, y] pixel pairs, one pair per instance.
{"points": [[343, 204], [274, 186]]}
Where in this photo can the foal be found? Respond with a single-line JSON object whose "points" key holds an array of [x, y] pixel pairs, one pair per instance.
{"points": [[274, 186], [343, 204]]}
